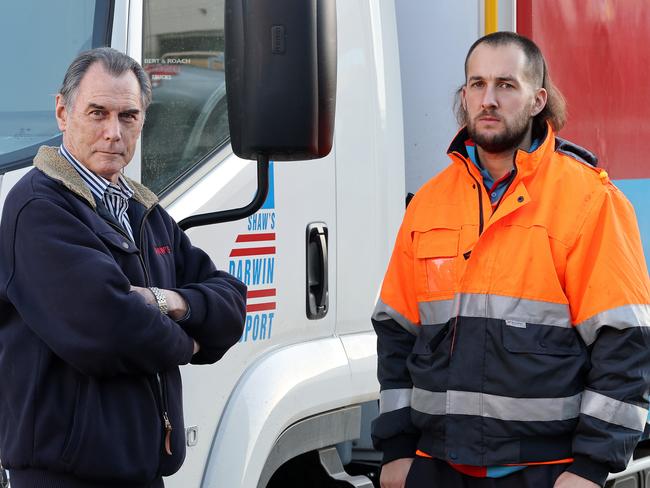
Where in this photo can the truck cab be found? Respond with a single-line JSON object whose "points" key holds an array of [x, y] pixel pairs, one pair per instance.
{"points": [[302, 377], [292, 402]]}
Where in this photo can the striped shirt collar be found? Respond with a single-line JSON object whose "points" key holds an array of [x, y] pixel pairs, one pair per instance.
{"points": [[115, 197], [97, 184]]}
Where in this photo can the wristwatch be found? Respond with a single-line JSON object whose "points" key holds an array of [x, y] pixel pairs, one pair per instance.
{"points": [[161, 300]]}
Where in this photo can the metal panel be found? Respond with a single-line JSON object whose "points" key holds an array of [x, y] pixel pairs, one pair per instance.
{"points": [[310, 434], [434, 38], [631, 481], [635, 466], [597, 57], [330, 460], [369, 156]]}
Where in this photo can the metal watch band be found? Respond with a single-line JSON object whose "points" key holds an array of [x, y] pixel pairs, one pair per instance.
{"points": [[160, 299]]}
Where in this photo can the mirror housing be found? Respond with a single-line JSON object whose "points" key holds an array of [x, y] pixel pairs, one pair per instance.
{"points": [[281, 77], [280, 85]]}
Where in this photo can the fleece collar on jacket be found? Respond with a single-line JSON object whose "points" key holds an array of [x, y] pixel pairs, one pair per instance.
{"points": [[49, 161]]}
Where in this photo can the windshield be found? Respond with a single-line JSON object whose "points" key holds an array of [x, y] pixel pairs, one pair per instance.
{"points": [[39, 41]]}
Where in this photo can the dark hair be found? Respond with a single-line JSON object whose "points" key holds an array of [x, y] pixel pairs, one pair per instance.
{"points": [[113, 61], [555, 111]]}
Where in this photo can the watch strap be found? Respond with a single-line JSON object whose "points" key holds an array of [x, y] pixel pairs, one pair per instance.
{"points": [[161, 300]]}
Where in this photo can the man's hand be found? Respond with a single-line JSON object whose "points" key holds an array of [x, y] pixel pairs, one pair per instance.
{"points": [[146, 294], [570, 480], [176, 304], [393, 474]]}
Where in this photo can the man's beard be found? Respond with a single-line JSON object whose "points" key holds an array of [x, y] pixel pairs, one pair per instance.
{"points": [[510, 138]]}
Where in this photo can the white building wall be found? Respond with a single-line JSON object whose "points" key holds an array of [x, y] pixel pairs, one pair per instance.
{"points": [[434, 37]]}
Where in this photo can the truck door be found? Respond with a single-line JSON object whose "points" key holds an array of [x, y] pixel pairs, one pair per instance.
{"points": [[187, 160]]}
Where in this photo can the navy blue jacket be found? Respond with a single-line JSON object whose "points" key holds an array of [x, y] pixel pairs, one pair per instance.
{"points": [[87, 367]]}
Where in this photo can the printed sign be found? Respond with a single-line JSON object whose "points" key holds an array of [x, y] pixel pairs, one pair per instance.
{"points": [[253, 260]]}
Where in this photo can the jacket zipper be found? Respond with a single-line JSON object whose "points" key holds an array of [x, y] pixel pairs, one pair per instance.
{"points": [[480, 197], [467, 255], [509, 185], [166, 423], [160, 377]]}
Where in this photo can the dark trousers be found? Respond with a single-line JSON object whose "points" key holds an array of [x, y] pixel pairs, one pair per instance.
{"points": [[35, 478], [434, 473]]}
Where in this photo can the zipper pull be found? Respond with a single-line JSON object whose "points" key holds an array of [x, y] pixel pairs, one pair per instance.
{"points": [[168, 434]]}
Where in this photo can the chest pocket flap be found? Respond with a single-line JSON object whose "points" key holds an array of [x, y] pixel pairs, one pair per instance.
{"points": [[436, 265], [116, 241], [439, 243]]}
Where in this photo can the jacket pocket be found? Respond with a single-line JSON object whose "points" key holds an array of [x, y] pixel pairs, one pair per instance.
{"points": [[540, 339], [535, 361], [74, 432], [117, 432], [118, 242], [437, 256], [429, 359], [429, 338]]}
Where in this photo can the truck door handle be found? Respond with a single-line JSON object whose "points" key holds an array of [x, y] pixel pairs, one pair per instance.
{"points": [[317, 264]]}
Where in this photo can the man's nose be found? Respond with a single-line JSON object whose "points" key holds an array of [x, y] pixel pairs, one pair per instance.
{"points": [[112, 129], [489, 99]]}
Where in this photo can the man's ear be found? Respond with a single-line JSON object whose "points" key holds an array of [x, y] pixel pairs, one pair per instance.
{"points": [[541, 97], [61, 113], [463, 102]]}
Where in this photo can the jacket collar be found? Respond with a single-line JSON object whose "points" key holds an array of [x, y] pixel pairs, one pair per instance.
{"points": [[49, 161], [526, 162]]}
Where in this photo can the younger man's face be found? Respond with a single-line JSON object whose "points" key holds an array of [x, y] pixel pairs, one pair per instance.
{"points": [[499, 97]]}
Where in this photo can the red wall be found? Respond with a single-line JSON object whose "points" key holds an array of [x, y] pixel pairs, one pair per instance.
{"points": [[598, 52]]}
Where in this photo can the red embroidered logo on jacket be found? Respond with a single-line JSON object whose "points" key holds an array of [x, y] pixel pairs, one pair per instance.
{"points": [[160, 250]]}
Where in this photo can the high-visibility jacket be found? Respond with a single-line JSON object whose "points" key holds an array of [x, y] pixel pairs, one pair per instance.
{"points": [[518, 335]]}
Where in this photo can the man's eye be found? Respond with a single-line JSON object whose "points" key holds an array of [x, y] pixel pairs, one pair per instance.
{"points": [[505, 85], [96, 113], [477, 84], [127, 116]]}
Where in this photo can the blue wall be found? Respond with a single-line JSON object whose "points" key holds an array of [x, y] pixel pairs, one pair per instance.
{"points": [[638, 192]]}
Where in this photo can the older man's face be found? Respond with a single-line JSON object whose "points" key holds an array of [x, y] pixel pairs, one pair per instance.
{"points": [[102, 126]]}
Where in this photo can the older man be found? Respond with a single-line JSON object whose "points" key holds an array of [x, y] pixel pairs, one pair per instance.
{"points": [[513, 321], [102, 297]]}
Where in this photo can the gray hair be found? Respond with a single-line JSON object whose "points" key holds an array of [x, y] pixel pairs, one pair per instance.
{"points": [[114, 62]]}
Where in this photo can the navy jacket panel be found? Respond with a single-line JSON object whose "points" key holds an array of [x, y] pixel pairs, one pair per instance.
{"points": [[207, 291], [89, 367]]}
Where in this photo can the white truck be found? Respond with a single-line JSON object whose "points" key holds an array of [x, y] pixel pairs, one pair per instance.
{"points": [[293, 401]]}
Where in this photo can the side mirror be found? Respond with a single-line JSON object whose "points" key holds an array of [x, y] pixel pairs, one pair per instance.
{"points": [[281, 77], [280, 58]]}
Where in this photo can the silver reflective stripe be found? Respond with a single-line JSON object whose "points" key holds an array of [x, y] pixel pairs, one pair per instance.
{"points": [[517, 309], [508, 408], [496, 307], [495, 406], [437, 312], [431, 402], [385, 312], [620, 318], [395, 399], [614, 411]]}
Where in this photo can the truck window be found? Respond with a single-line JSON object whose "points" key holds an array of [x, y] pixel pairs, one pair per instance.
{"points": [[39, 41], [183, 47]]}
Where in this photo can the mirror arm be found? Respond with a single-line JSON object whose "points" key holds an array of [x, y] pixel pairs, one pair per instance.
{"points": [[236, 213]]}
